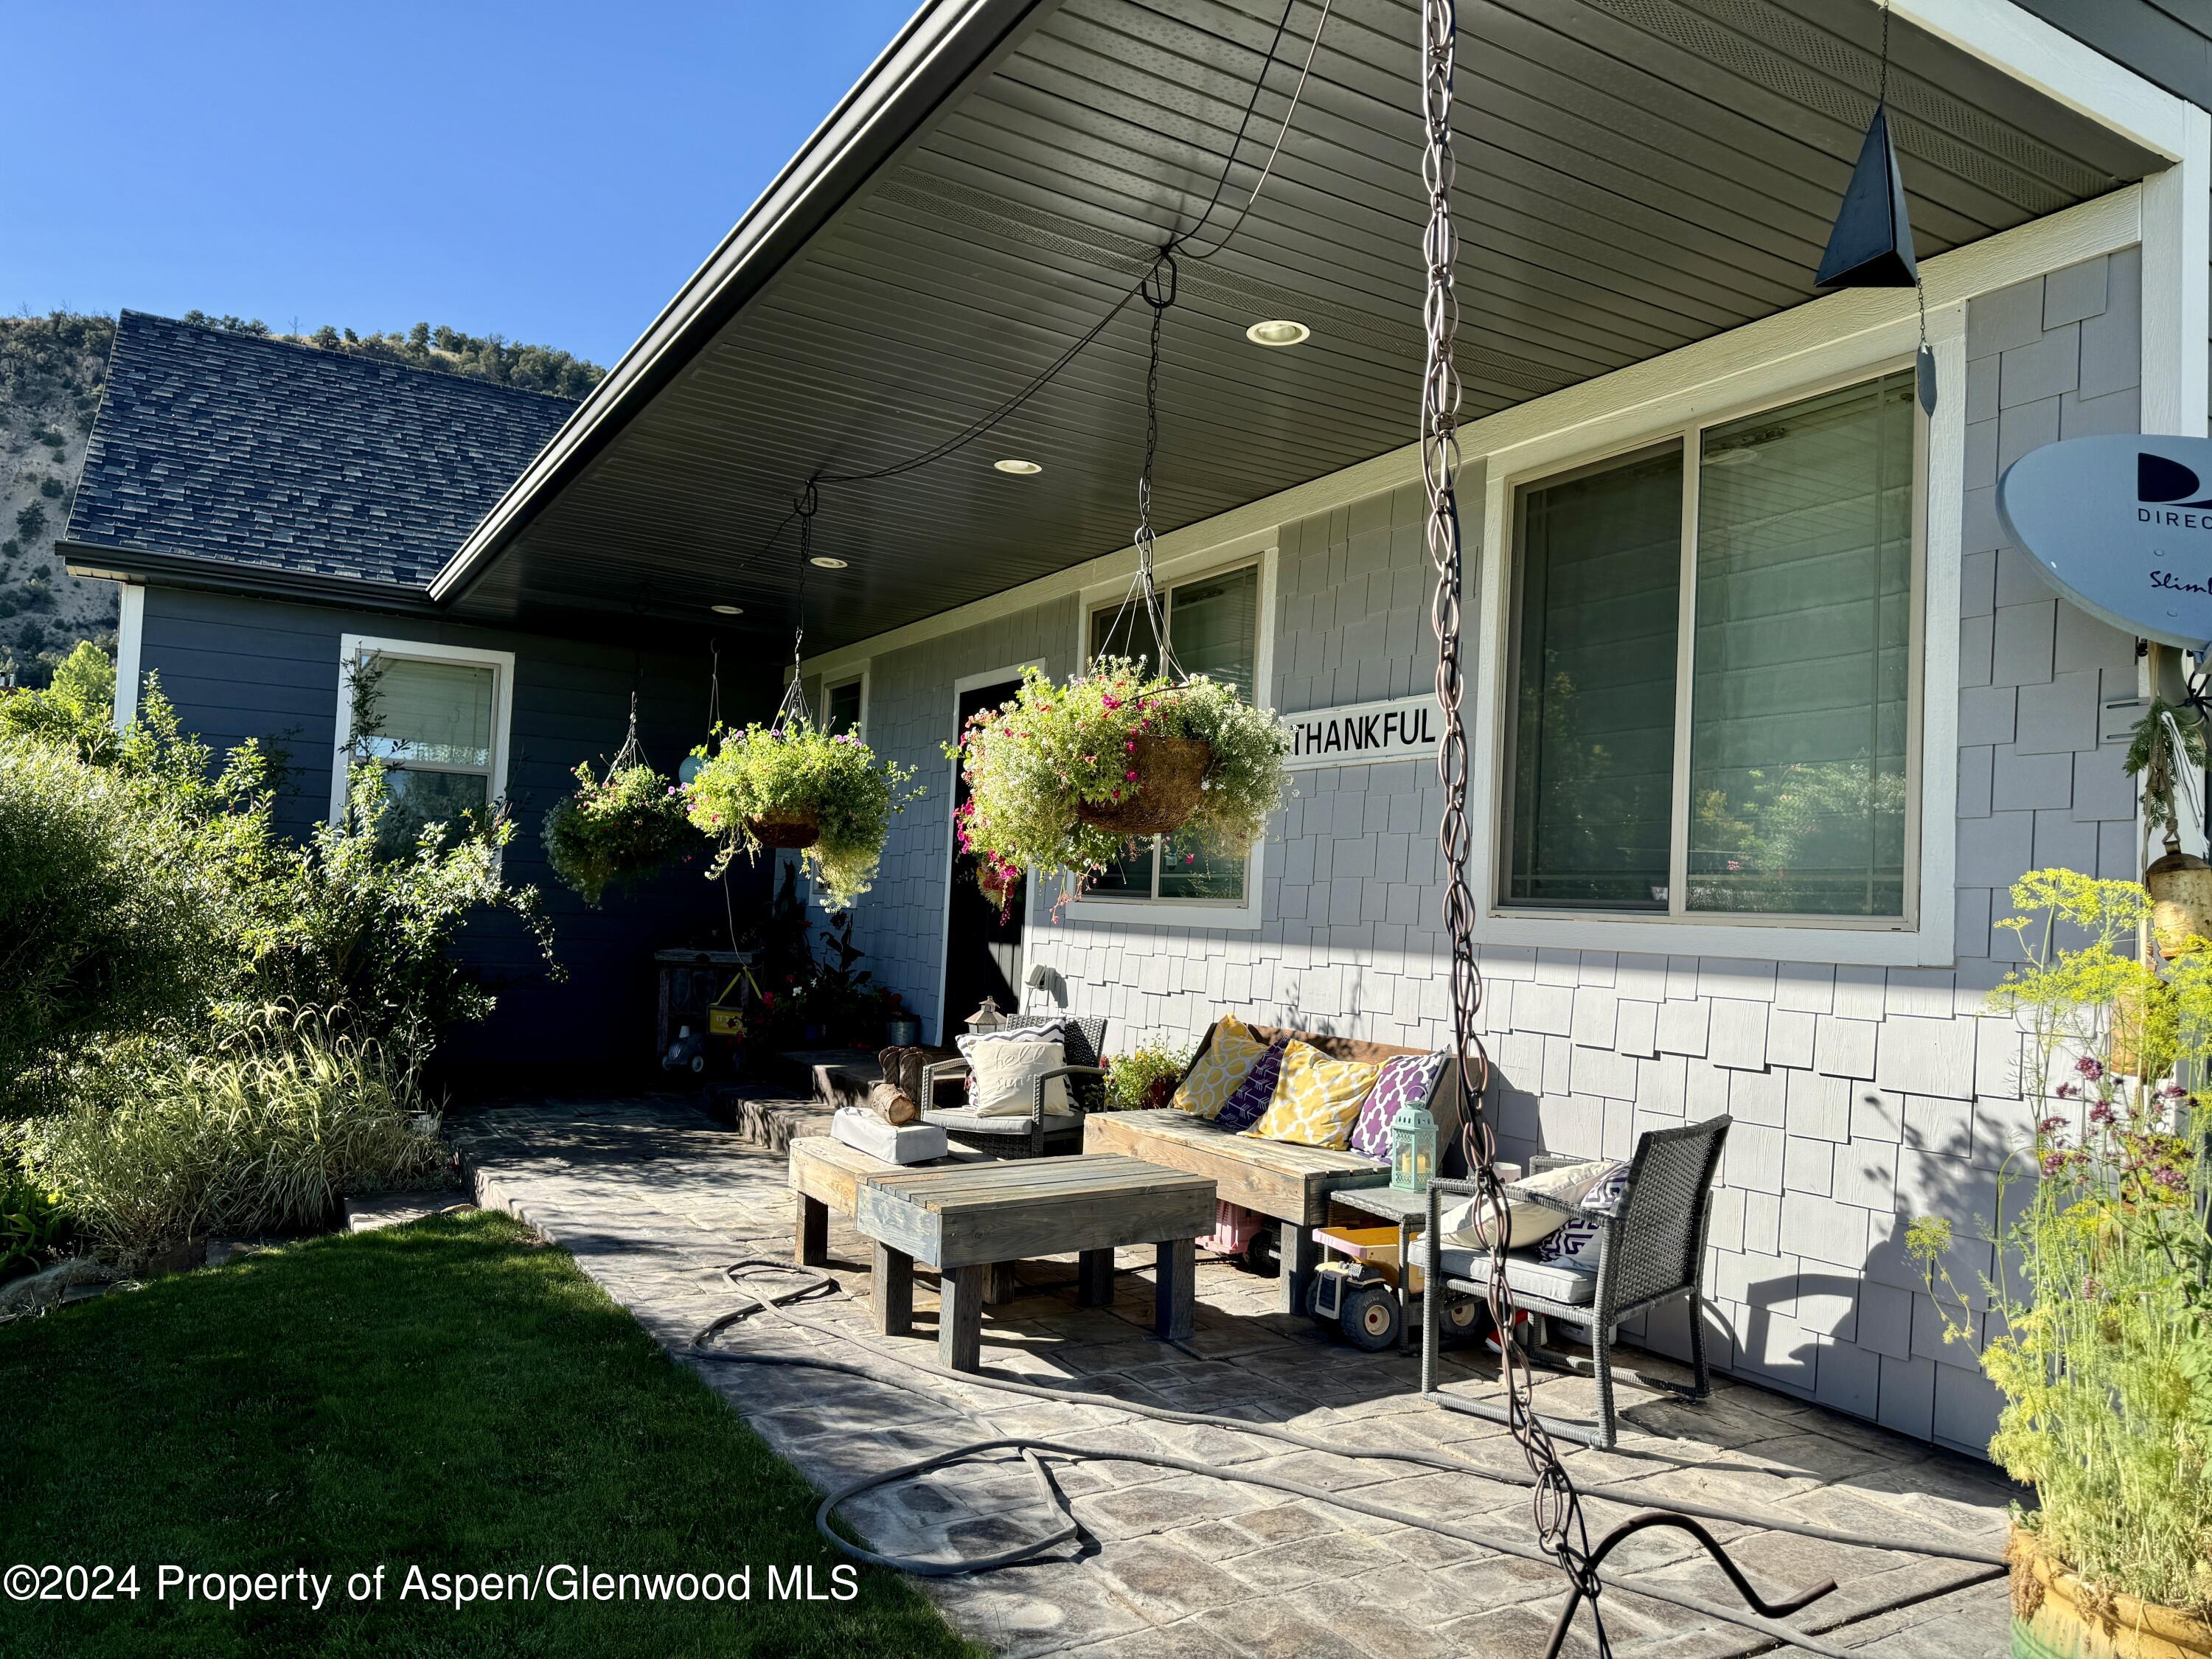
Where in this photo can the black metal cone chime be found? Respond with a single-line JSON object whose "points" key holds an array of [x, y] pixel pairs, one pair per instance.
{"points": [[1870, 245]]}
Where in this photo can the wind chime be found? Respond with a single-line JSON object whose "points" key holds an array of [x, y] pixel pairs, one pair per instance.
{"points": [[1871, 243]]}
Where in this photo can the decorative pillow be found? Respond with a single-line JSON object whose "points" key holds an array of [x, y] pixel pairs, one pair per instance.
{"points": [[1206, 1088], [1406, 1081], [1317, 1098], [1257, 1092], [1468, 1224], [1576, 1243], [1052, 1030], [1006, 1075]]}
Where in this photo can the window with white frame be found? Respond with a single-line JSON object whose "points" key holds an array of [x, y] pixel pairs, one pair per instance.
{"points": [[1213, 627], [435, 719], [1712, 697]]}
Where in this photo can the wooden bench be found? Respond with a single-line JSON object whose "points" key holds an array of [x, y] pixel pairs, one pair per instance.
{"points": [[1290, 1184], [965, 1219]]}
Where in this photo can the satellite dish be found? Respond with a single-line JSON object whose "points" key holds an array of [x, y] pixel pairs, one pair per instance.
{"points": [[2123, 524]]}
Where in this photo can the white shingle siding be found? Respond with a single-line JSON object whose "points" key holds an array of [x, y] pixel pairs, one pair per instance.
{"points": [[1863, 1095]]}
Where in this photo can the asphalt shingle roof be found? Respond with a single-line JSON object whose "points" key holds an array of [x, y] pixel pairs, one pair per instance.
{"points": [[219, 446]]}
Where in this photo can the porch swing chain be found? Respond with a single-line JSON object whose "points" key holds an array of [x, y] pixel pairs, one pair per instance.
{"points": [[1557, 1508]]}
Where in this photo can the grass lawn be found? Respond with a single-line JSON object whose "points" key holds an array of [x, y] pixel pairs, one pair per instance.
{"points": [[444, 1395]]}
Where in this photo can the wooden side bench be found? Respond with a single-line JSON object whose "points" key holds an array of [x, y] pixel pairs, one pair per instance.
{"points": [[965, 1219]]}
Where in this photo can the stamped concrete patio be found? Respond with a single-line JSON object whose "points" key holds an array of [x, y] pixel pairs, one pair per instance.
{"points": [[654, 1198]]}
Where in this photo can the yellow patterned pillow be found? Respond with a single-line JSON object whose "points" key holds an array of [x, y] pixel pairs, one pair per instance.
{"points": [[1213, 1078], [1317, 1099]]}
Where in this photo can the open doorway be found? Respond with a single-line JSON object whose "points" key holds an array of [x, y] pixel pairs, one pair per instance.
{"points": [[982, 949]]}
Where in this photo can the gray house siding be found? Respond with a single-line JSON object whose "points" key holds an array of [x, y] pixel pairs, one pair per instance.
{"points": [[1863, 1097], [239, 667]]}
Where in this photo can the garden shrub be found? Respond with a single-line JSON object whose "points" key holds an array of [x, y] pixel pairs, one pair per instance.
{"points": [[106, 920], [287, 1115], [32, 1223]]}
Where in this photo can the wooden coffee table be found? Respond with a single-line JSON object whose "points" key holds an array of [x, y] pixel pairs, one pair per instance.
{"points": [[963, 1220]]}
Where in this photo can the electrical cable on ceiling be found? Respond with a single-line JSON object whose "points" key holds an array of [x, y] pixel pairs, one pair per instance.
{"points": [[993, 417]]}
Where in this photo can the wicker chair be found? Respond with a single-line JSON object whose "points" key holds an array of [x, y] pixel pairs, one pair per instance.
{"points": [[1650, 1250], [1040, 1134]]}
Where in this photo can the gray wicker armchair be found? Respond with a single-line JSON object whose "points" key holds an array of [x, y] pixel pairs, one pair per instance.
{"points": [[1650, 1250], [1039, 1134]]}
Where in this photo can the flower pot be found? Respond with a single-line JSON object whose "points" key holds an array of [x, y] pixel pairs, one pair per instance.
{"points": [[791, 827], [2181, 901], [2054, 1616], [1170, 777]]}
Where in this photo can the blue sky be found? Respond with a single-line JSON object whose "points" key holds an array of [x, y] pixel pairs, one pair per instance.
{"points": [[551, 170]]}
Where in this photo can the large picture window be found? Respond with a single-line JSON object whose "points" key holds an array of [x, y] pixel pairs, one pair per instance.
{"points": [[1712, 682], [1213, 625]]}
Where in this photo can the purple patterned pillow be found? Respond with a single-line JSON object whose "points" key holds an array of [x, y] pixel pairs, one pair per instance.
{"points": [[1404, 1080], [1247, 1102]]}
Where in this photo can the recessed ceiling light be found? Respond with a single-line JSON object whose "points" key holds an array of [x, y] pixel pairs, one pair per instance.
{"points": [[728, 609], [1020, 469], [1280, 332], [824, 561]]}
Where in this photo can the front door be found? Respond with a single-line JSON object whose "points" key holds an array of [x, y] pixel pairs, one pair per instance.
{"points": [[982, 951]]}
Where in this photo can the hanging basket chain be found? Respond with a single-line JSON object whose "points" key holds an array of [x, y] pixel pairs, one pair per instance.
{"points": [[793, 710], [1557, 1508], [1159, 290]]}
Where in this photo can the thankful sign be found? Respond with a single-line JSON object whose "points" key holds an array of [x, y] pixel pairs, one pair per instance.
{"points": [[1360, 734]]}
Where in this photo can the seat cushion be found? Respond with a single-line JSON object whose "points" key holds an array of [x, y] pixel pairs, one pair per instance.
{"points": [[1317, 1099], [1214, 1075], [1561, 1282], [967, 1120]]}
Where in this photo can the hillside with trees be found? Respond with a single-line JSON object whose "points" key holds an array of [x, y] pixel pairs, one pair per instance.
{"points": [[52, 369]]}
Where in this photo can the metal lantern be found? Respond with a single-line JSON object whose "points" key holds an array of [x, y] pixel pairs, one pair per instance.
{"points": [[986, 1018], [1413, 1149]]}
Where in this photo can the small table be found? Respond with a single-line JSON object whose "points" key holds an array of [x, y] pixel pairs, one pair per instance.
{"points": [[1410, 1211], [964, 1219]]}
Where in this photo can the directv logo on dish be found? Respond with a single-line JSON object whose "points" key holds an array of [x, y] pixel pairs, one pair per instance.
{"points": [[2168, 485]]}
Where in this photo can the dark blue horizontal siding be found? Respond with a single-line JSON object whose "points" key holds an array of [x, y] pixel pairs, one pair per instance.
{"points": [[238, 668]]}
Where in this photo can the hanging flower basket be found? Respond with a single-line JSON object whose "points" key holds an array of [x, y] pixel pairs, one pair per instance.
{"points": [[998, 883], [1167, 783], [615, 831], [791, 786], [1063, 778], [793, 829]]}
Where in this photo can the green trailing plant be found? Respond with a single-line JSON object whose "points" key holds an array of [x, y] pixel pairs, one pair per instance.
{"points": [[2101, 1340], [2160, 745], [287, 1113], [1032, 762], [617, 831], [769, 773], [1145, 1077], [32, 1223]]}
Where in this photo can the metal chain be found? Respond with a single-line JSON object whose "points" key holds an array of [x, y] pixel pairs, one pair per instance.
{"points": [[794, 709], [1159, 290], [1558, 1515]]}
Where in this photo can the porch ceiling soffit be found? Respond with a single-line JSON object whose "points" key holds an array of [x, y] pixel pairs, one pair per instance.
{"points": [[1635, 175]]}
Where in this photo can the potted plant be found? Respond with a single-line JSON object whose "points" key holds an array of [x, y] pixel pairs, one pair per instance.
{"points": [[794, 785], [2167, 743], [1063, 777], [2101, 1342], [998, 883], [618, 829], [1145, 1078]]}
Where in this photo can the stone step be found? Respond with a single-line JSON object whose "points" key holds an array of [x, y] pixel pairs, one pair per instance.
{"points": [[769, 1120]]}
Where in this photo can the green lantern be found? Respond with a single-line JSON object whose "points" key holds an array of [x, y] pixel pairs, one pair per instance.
{"points": [[1413, 1148]]}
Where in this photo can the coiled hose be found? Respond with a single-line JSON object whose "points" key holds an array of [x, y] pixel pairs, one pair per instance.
{"points": [[814, 1285]]}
